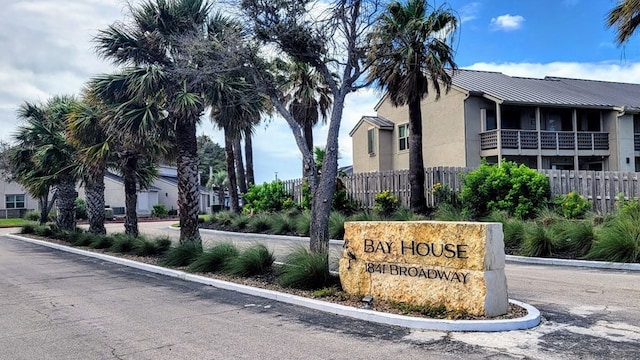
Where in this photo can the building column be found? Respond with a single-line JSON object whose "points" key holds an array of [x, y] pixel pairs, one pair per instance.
{"points": [[574, 124], [538, 129], [499, 132]]}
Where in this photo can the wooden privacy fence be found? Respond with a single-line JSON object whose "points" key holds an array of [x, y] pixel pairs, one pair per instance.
{"points": [[600, 187]]}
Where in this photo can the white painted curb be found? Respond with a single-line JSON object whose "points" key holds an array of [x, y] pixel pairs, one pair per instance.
{"points": [[532, 318]]}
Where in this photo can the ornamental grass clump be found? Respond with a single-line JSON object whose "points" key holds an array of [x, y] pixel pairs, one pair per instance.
{"points": [[101, 242], [619, 239], [577, 236], [303, 223], [260, 223], [336, 225], [146, 247], [252, 261], [305, 270], [122, 243], [538, 241], [215, 258], [183, 254], [281, 223]]}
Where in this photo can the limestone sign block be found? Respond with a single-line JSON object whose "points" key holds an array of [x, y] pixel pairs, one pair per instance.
{"points": [[457, 264]]}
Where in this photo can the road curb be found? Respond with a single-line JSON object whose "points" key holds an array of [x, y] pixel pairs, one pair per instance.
{"points": [[532, 318]]}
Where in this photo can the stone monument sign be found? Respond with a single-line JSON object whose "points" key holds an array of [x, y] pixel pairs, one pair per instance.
{"points": [[456, 264]]}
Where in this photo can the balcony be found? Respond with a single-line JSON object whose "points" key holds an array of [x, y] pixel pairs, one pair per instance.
{"points": [[549, 140]]}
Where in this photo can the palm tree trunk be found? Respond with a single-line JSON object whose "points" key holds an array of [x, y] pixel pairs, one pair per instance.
{"points": [[188, 185], [234, 204], [130, 195], [248, 154], [416, 162], [45, 207], [237, 153], [95, 202], [66, 205]]}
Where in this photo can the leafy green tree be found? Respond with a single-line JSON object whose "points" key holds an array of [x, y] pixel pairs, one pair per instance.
{"points": [[43, 159], [211, 155], [411, 52]]}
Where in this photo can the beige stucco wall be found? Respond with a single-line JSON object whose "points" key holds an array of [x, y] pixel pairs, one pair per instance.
{"points": [[362, 160], [625, 149], [443, 130]]}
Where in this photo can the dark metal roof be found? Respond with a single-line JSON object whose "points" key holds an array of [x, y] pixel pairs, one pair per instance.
{"points": [[119, 179], [378, 121], [550, 90]]}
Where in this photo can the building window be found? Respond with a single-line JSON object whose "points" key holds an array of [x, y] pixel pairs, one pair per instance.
{"points": [[403, 137], [15, 201], [489, 119], [371, 146]]}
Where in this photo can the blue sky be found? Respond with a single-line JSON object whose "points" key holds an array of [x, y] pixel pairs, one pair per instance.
{"points": [[46, 49]]}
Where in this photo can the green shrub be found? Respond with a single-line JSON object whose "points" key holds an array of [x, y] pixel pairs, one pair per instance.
{"points": [[268, 197], [122, 243], [385, 203], [305, 270], [240, 221], [81, 209], [619, 239], [449, 212], [538, 241], [366, 216], [445, 194], [336, 225], [405, 214], [572, 205], [259, 223], [342, 202], [252, 261], [146, 247], [160, 211], [303, 223], [43, 230], [183, 254], [28, 228], [77, 238], [516, 189], [223, 217], [307, 197], [101, 242], [32, 215], [576, 235], [215, 258], [163, 244], [280, 223]]}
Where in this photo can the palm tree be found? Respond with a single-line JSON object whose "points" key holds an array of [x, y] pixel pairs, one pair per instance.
{"points": [[219, 181], [137, 136], [157, 43], [410, 52], [625, 18], [46, 158], [309, 99], [86, 133]]}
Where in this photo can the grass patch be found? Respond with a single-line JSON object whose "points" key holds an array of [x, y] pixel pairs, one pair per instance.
{"points": [[366, 215], [101, 242], [252, 261], [146, 247], [405, 214], [577, 236], [240, 221], [305, 270], [303, 223], [281, 223], [215, 258], [183, 254], [223, 217], [122, 243], [448, 212], [15, 222]]}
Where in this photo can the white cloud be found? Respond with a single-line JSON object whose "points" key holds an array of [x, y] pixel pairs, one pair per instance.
{"points": [[469, 11], [507, 22], [604, 71]]}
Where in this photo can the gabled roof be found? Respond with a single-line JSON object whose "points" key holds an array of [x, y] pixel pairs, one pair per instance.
{"points": [[548, 91], [376, 121], [119, 179], [173, 180]]}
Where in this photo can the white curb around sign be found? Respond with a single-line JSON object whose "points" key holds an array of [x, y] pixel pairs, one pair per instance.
{"points": [[532, 318]]}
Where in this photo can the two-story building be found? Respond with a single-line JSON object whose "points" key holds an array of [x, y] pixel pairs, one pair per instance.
{"points": [[550, 123]]}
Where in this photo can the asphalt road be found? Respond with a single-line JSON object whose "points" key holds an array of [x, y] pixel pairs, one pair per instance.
{"points": [[55, 305]]}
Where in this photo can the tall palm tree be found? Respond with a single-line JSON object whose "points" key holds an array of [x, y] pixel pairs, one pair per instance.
{"points": [[47, 157], [410, 50], [86, 133], [137, 135], [309, 99], [157, 42], [219, 181], [625, 18]]}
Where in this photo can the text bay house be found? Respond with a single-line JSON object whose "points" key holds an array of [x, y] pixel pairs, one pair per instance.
{"points": [[550, 123]]}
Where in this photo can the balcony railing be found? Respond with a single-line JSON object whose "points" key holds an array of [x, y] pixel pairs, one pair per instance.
{"points": [[636, 142], [549, 140]]}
